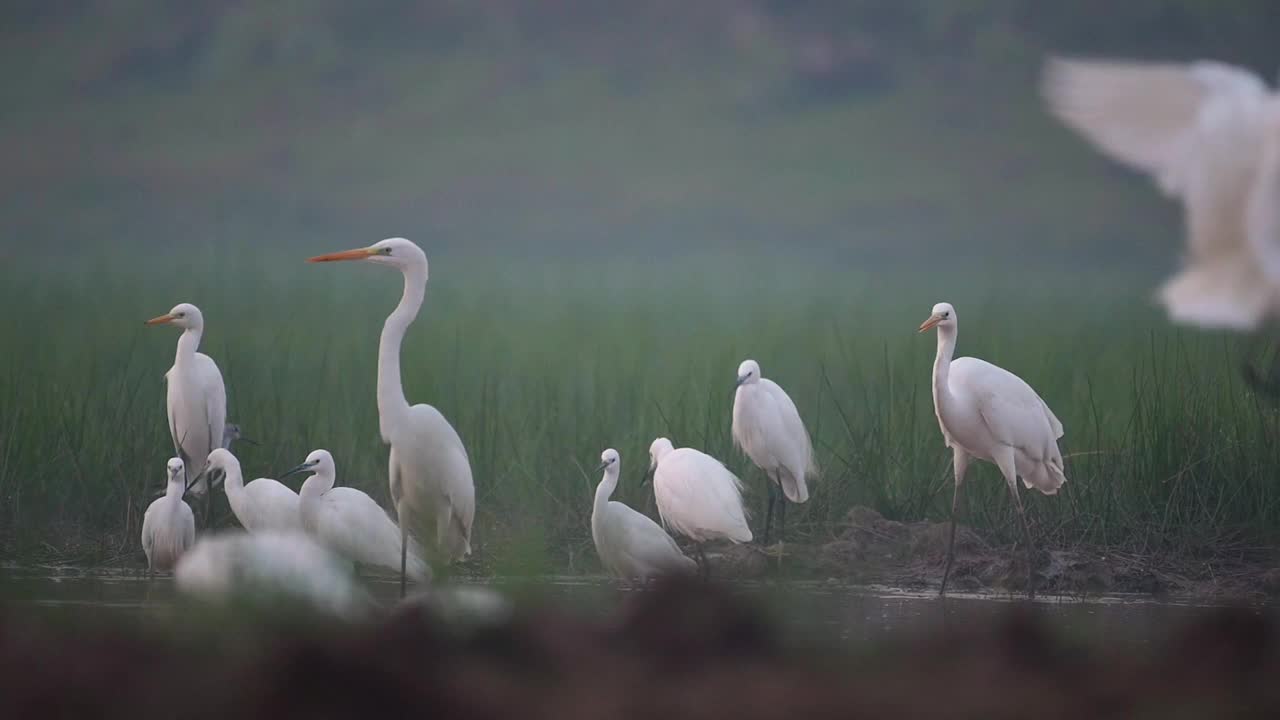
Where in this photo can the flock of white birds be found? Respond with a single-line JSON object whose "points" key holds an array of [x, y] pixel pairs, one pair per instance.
{"points": [[1207, 132]]}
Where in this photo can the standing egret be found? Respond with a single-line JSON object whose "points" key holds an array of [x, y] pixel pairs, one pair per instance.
{"points": [[261, 505], [1209, 134], [767, 427], [350, 522], [697, 496], [630, 545], [196, 398], [168, 527], [286, 566], [987, 412], [430, 474]]}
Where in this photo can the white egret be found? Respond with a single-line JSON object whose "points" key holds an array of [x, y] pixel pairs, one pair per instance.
{"points": [[350, 522], [630, 545], [430, 474], [988, 413], [1209, 134], [196, 397], [282, 565], [697, 496], [767, 427], [261, 505], [168, 527]]}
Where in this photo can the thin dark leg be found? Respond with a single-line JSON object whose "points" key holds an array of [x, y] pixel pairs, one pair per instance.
{"points": [[1026, 535], [702, 560], [782, 512], [768, 515], [951, 540]]}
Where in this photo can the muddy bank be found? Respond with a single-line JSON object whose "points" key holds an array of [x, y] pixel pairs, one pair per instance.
{"points": [[869, 548], [680, 650]]}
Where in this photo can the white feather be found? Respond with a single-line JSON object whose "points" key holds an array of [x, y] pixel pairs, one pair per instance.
{"points": [[767, 427], [630, 545], [696, 494]]}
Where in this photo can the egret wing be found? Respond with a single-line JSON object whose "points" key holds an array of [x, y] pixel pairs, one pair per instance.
{"points": [[1011, 410]]}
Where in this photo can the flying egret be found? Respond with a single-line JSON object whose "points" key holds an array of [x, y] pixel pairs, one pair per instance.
{"points": [[1209, 134], [196, 397], [697, 496], [350, 522], [630, 545], [168, 527], [767, 427], [276, 565], [430, 474], [987, 412], [261, 505]]}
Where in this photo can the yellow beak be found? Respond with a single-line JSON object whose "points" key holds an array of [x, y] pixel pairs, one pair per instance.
{"points": [[927, 324], [357, 254], [163, 319]]}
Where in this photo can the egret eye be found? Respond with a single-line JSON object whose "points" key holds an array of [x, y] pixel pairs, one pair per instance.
{"points": [[386, 251]]}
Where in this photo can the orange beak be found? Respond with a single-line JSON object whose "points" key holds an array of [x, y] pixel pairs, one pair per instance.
{"points": [[163, 319], [928, 324], [357, 254]]}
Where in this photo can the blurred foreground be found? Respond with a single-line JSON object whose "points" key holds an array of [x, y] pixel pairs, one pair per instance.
{"points": [[680, 651]]}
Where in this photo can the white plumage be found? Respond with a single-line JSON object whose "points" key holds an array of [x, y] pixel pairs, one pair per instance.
{"points": [[350, 522], [697, 496], [287, 566], [168, 526], [261, 505], [630, 545], [428, 467], [989, 413], [195, 396], [1209, 134], [767, 427]]}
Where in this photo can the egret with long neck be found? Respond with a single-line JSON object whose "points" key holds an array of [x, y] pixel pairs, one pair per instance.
{"points": [[261, 505], [428, 467], [988, 413]]}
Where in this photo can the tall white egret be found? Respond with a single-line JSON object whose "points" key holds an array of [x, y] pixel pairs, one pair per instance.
{"points": [[697, 496], [988, 413], [1209, 134], [261, 505], [286, 566], [767, 427], [350, 522], [168, 527], [196, 397], [430, 474], [630, 545]]}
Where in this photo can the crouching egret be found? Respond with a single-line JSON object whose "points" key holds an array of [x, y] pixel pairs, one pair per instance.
{"points": [[987, 412], [1209, 134], [630, 545], [195, 396], [168, 527], [767, 427], [286, 566], [261, 505], [349, 522], [429, 472], [697, 496]]}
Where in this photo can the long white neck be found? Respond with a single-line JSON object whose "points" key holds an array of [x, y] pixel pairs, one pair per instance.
{"points": [[391, 401], [175, 488], [233, 483], [188, 343], [605, 489], [309, 497], [942, 369]]}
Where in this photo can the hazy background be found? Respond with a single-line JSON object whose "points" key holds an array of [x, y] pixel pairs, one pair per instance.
{"points": [[876, 127]]}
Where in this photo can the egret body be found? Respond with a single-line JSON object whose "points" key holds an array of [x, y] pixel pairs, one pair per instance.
{"points": [[261, 505], [430, 474], [988, 413], [630, 545], [697, 496], [168, 527]]}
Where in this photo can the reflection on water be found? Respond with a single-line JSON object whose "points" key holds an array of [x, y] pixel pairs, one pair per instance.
{"points": [[858, 613]]}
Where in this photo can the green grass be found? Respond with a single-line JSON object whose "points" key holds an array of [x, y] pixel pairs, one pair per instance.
{"points": [[541, 365]]}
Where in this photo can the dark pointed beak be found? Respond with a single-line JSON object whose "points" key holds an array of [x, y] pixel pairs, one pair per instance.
{"points": [[602, 466], [254, 443], [741, 380], [294, 471], [648, 475]]}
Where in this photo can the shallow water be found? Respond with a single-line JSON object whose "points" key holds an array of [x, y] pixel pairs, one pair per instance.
{"points": [[855, 613]]}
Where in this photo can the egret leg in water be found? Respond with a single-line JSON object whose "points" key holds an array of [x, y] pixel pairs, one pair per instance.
{"points": [[771, 489]]}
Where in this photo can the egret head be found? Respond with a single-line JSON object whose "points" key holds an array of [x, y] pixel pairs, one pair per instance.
{"points": [[176, 470], [609, 460], [657, 450], [942, 317], [395, 252], [221, 459], [183, 315], [319, 462], [748, 372]]}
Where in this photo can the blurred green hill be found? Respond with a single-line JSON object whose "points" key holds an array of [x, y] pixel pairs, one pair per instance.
{"points": [[890, 127]]}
